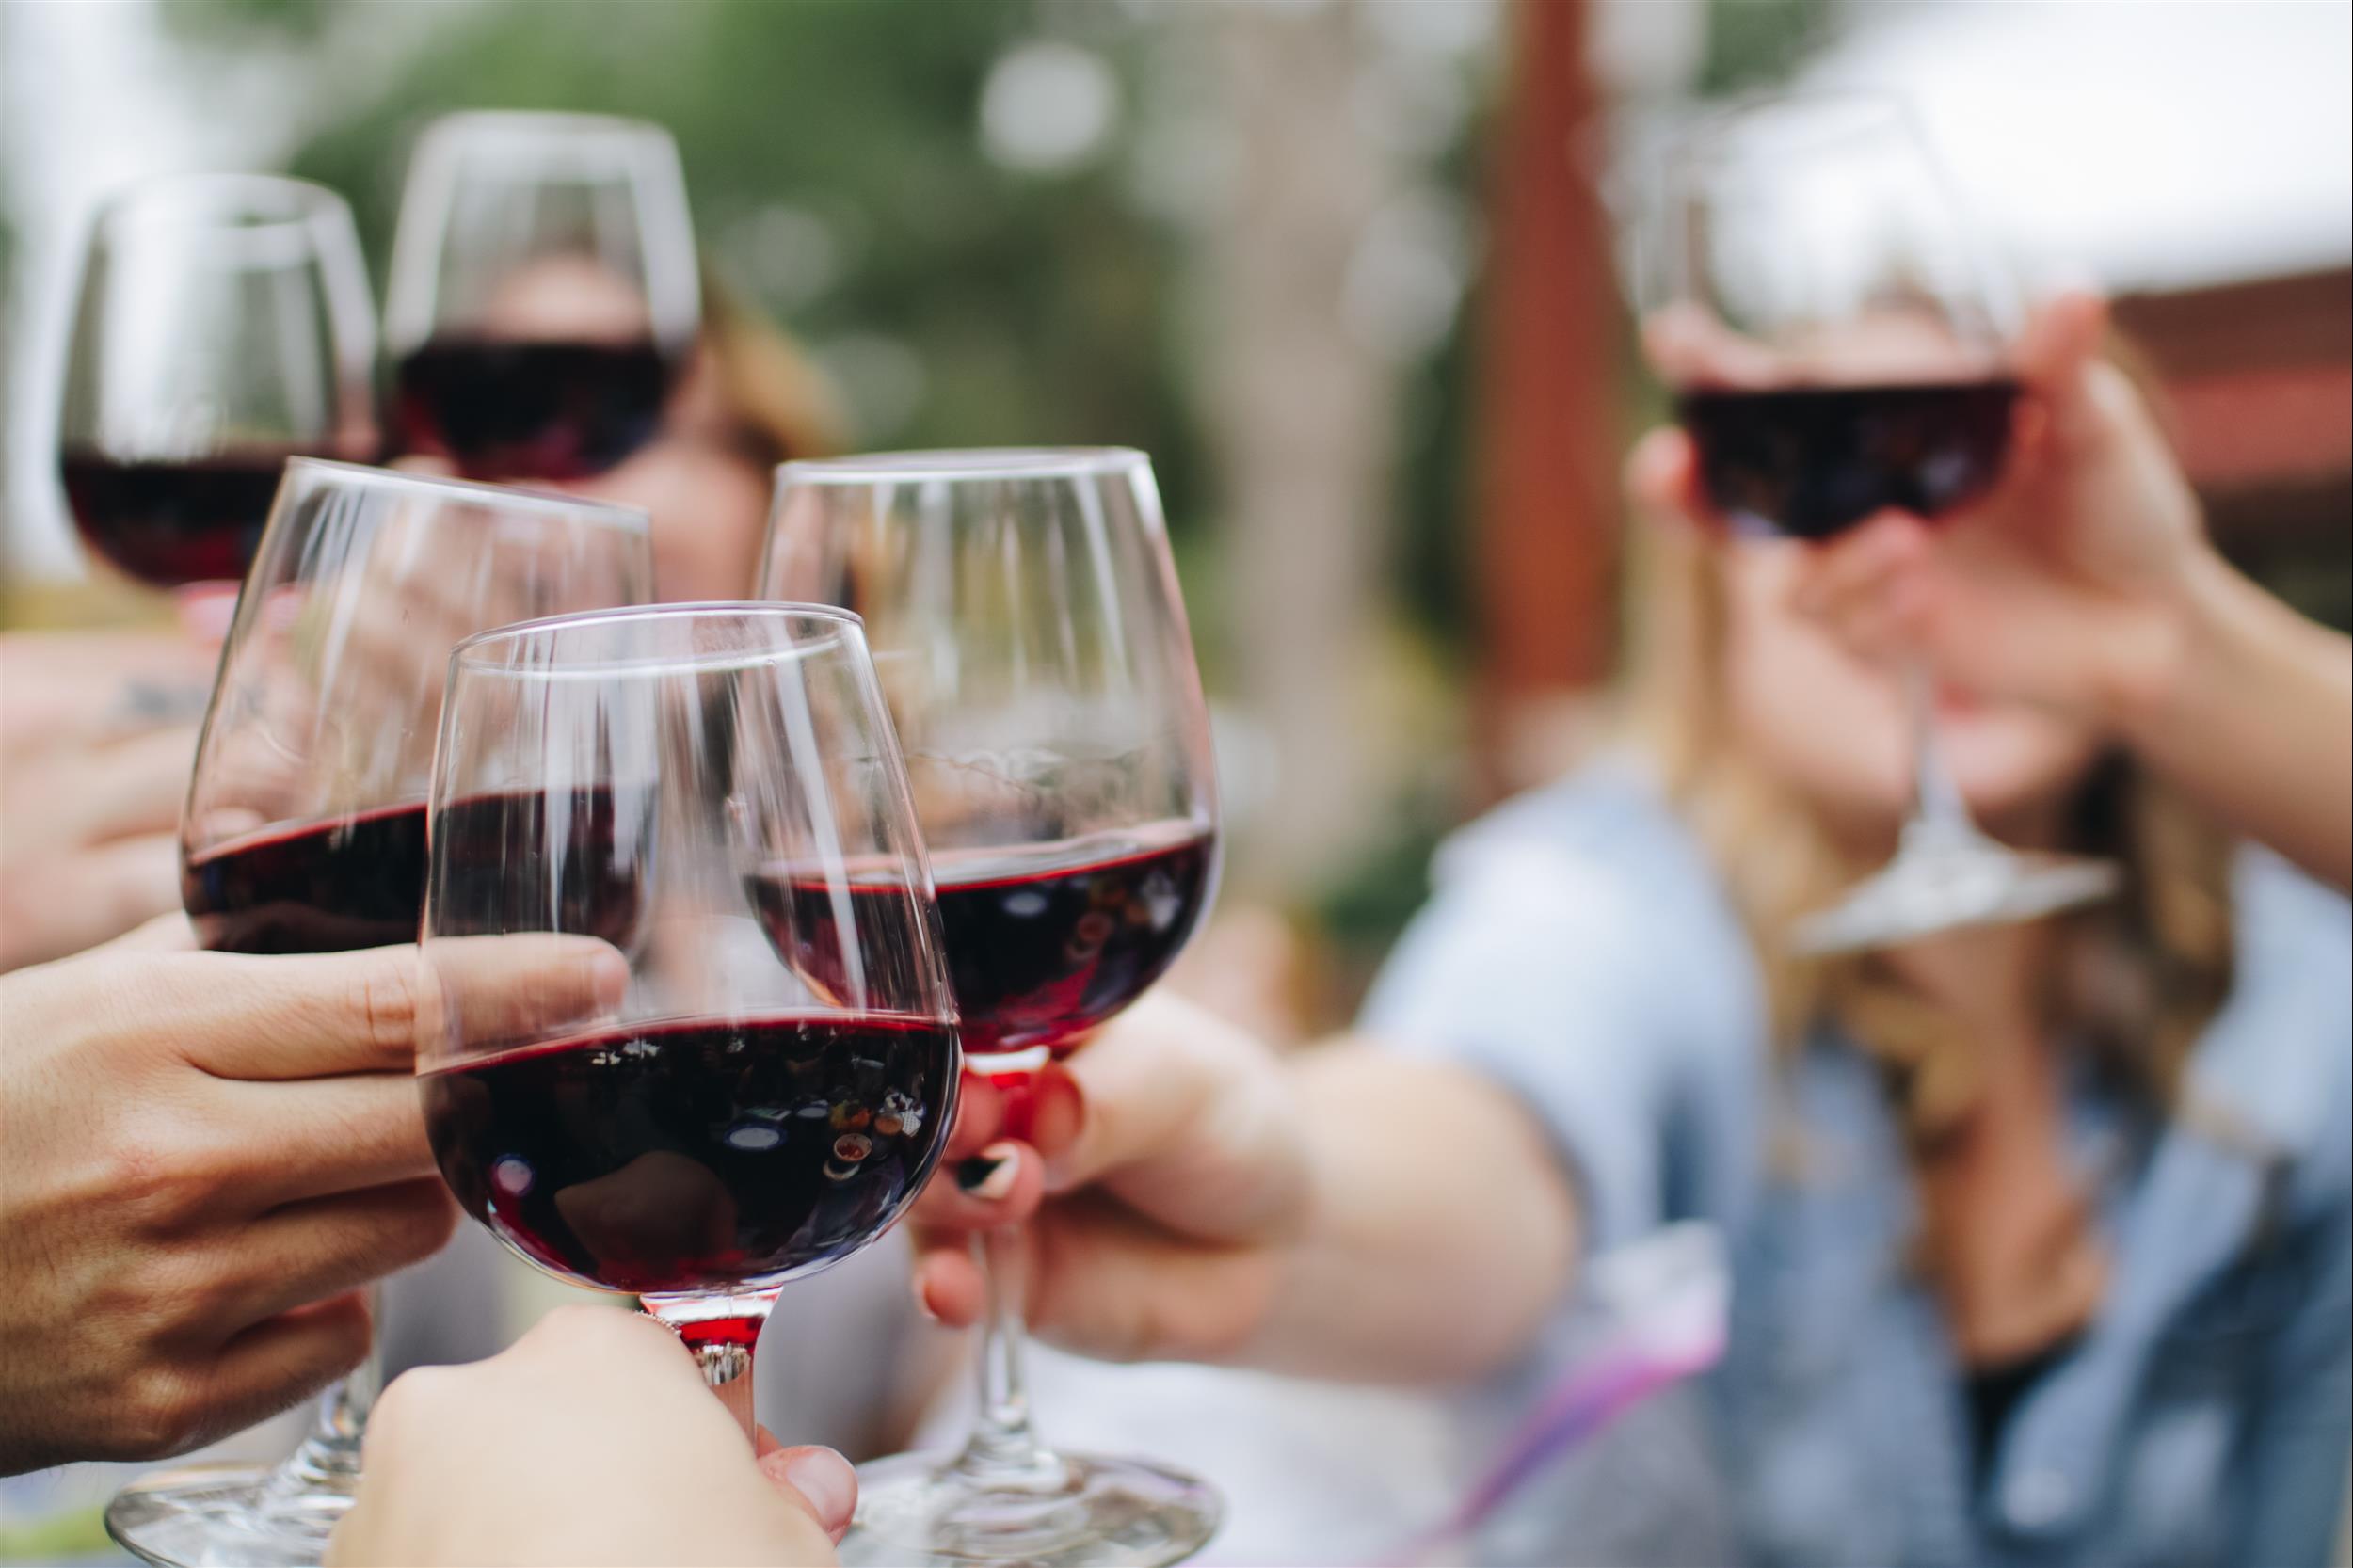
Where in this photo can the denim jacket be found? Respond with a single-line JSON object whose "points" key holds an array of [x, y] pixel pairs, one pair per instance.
{"points": [[1582, 951]]}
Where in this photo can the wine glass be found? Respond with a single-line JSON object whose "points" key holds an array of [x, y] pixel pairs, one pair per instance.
{"points": [[713, 791], [1030, 638], [1839, 341], [305, 827], [543, 292], [224, 324]]}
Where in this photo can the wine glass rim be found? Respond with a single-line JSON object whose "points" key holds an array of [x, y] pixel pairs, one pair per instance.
{"points": [[1006, 463], [1727, 131], [839, 620], [531, 124], [269, 200], [513, 497]]}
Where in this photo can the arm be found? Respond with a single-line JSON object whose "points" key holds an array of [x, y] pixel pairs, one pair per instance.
{"points": [[2248, 709], [1346, 1213], [1437, 1214], [1570, 1038]]}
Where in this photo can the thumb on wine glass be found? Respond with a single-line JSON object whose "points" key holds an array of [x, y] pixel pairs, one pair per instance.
{"points": [[817, 1480]]}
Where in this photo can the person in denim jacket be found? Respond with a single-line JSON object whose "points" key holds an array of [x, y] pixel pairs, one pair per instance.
{"points": [[2039, 1233]]}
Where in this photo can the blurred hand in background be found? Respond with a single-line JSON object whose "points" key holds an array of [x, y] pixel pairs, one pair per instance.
{"points": [[97, 734], [2084, 584]]}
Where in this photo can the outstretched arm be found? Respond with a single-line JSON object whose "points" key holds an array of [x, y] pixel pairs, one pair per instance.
{"points": [[1343, 1212]]}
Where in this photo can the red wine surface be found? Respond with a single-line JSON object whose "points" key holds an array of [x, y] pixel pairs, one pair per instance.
{"points": [[582, 850], [172, 523], [326, 887], [697, 1153], [1044, 942], [359, 881], [528, 409], [1809, 462]]}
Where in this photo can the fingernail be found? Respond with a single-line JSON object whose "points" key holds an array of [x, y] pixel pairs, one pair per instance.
{"points": [[826, 1478], [990, 1174]]}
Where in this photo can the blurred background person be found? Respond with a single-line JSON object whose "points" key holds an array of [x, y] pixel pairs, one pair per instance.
{"points": [[1330, 267], [2000, 1204], [747, 399]]}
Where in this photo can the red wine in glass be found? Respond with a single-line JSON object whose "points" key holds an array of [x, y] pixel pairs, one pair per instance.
{"points": [[359, 881], [530, 408], [324, 886], [174, 523], [1043, 942], [1809, 462], [696, 1154]]}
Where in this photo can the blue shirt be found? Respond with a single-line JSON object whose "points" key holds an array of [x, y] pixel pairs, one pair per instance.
{"points": [[1582, 951]]}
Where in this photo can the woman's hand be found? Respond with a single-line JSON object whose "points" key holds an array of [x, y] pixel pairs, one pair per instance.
{"points": [[96, 734], [1172, 1170], [2069, 586], [2084, 584], [593, 1440], [206, 1156], [1203, 1199]]}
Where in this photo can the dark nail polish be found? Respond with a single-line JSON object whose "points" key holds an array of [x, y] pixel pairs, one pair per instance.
{"points": [[973, 1173]]}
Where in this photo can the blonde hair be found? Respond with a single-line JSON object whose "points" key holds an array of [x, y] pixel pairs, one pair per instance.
{"points": [[2142, 975], [777, 403]]}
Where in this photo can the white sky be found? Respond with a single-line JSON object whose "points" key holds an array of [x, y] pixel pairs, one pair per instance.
{"points": [[2148, 143], [89, 102]]}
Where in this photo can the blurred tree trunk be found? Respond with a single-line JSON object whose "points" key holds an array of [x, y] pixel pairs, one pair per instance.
{"points": [[1548, 435], [1302, 419]]}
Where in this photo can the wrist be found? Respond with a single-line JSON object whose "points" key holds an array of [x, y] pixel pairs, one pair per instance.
{"points": [[2184, 655], [2160, 653]]}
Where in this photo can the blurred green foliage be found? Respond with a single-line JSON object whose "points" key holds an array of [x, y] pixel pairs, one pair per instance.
{"points": [[839, 181], [1757, 43]]}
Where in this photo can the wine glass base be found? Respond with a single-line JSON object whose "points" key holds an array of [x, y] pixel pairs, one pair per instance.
{"points": [[1952, 888], [919, 1510], [203, 1516]]}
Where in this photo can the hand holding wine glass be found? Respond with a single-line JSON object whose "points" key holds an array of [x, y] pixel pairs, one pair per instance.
{"points": [[1030, 638], [539, 1454], [1176, 1168], [208, 1155], [304, 829], [2084, 584], [2057, 585], [1843, 348]]}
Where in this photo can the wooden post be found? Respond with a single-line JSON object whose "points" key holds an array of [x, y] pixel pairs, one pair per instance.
{"points": [[1549, 429]]}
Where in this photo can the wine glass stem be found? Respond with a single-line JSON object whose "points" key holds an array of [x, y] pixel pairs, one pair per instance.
{"points": [[723, 1349], [329, 1456], [1002, 1441], [728, 1368], [1940, 818]]}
